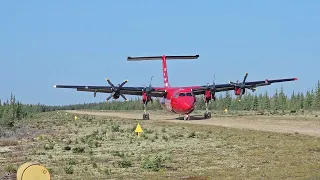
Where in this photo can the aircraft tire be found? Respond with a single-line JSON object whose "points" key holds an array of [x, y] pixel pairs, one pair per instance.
{"points": [[207, 115], [145, 116]]}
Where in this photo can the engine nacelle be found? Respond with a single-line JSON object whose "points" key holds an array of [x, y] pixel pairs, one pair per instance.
{"points": [[145, 98], [237, 91], [116, 96], [208, 95]]}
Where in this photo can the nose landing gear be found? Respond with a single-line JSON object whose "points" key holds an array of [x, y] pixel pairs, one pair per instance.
{"points": [[186, 117]]}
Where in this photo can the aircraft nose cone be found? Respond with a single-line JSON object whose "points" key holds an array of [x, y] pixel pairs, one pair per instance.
{"points": [[187, 104]]}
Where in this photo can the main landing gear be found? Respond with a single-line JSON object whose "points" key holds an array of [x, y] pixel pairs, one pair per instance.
{"points": [[207, 114], [145, 114]]}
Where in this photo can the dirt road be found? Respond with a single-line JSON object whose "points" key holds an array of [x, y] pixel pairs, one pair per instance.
{"points": [[262, 123]]}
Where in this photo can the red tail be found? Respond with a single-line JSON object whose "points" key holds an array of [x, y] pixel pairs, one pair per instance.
{"points": [[164, 63], [165, 72]]}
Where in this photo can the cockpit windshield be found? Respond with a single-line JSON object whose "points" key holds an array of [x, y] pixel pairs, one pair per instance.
{"points": [[185, 94]]}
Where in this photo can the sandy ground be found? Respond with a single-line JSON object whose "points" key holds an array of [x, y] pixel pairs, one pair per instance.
{"points": [[283, 124]]}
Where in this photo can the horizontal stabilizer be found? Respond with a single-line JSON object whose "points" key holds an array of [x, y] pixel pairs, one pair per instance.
{"points": [[160, 57]]}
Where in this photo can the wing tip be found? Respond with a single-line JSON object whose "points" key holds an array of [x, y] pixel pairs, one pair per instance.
{"points": [[54, 86], [295, 79]]}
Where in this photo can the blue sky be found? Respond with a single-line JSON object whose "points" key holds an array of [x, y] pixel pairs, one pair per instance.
{"points": [[44, 43]]}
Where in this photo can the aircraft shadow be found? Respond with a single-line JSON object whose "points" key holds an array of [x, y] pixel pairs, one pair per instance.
{"points": [[193, 117]]}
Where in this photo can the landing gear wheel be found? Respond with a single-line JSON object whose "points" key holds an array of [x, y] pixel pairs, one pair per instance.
{"points": [[207, 115], [186, 117], [145, 116]]}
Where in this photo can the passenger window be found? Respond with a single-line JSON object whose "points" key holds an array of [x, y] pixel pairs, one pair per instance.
{"points": [[189, 94], [182, 94]]}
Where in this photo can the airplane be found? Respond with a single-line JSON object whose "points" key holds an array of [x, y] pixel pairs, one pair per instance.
{"points": [[178, 100]]}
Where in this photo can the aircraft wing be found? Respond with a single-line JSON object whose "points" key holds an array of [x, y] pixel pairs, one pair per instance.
{"points": [[197, 90], [156, 92]]}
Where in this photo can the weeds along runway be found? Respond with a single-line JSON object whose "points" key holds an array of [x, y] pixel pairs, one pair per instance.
{"points": [[283, 124]]}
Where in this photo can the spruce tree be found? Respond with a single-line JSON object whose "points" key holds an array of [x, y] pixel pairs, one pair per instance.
{"points": [[275, 101], [282, 100], [266, 101], [228, 100], [255, 103], [261, 103], [293, 103], [308, 101], [317, 97], [301, 101]]}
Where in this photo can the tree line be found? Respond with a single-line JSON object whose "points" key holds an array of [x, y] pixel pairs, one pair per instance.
{"points": [[12, 110]]}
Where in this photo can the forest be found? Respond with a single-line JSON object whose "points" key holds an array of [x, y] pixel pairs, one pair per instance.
{"points": [[12, 110]]}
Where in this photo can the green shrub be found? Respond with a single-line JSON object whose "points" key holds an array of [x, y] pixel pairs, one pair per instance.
{"points": [[78, 150], [192, 135], [115, 127], [124, 163], [68, 169], [153, 164]]}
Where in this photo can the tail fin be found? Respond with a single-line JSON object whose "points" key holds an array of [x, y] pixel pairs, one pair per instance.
{"points": [[164, 63]]}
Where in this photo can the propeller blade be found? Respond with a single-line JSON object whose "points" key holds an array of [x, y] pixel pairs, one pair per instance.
{"points": [[123, 97], [245, 77], [150, 81], [123, 83], [110, 83], [109, 97]]}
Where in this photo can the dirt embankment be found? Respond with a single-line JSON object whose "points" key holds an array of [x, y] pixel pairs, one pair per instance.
{"points": [[261, 123]]}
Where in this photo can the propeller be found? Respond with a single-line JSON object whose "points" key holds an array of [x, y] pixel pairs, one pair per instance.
{"points": [[241, 85], [213, 86], [148, 89], [116, 92]]}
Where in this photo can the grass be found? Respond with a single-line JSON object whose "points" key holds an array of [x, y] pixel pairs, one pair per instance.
{"points": [[107, 148]]}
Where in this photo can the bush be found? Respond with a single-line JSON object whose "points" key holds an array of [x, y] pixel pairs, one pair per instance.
{"points": [[115, 127], [78, 150], [164, 137], [68, 169], [153, 164], [67, 148], [94, 165], [192, 135], [48, 146], [124, 163], [10, 169]]}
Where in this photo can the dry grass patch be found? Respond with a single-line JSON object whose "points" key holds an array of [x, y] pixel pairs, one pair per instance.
{"points": [[103, 147]]}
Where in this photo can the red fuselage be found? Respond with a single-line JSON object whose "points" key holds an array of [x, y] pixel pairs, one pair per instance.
{"points": [[179, 100]]}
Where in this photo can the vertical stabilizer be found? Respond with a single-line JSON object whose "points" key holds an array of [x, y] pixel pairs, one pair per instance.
{"points": [[164, 63], [165, 72]]}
